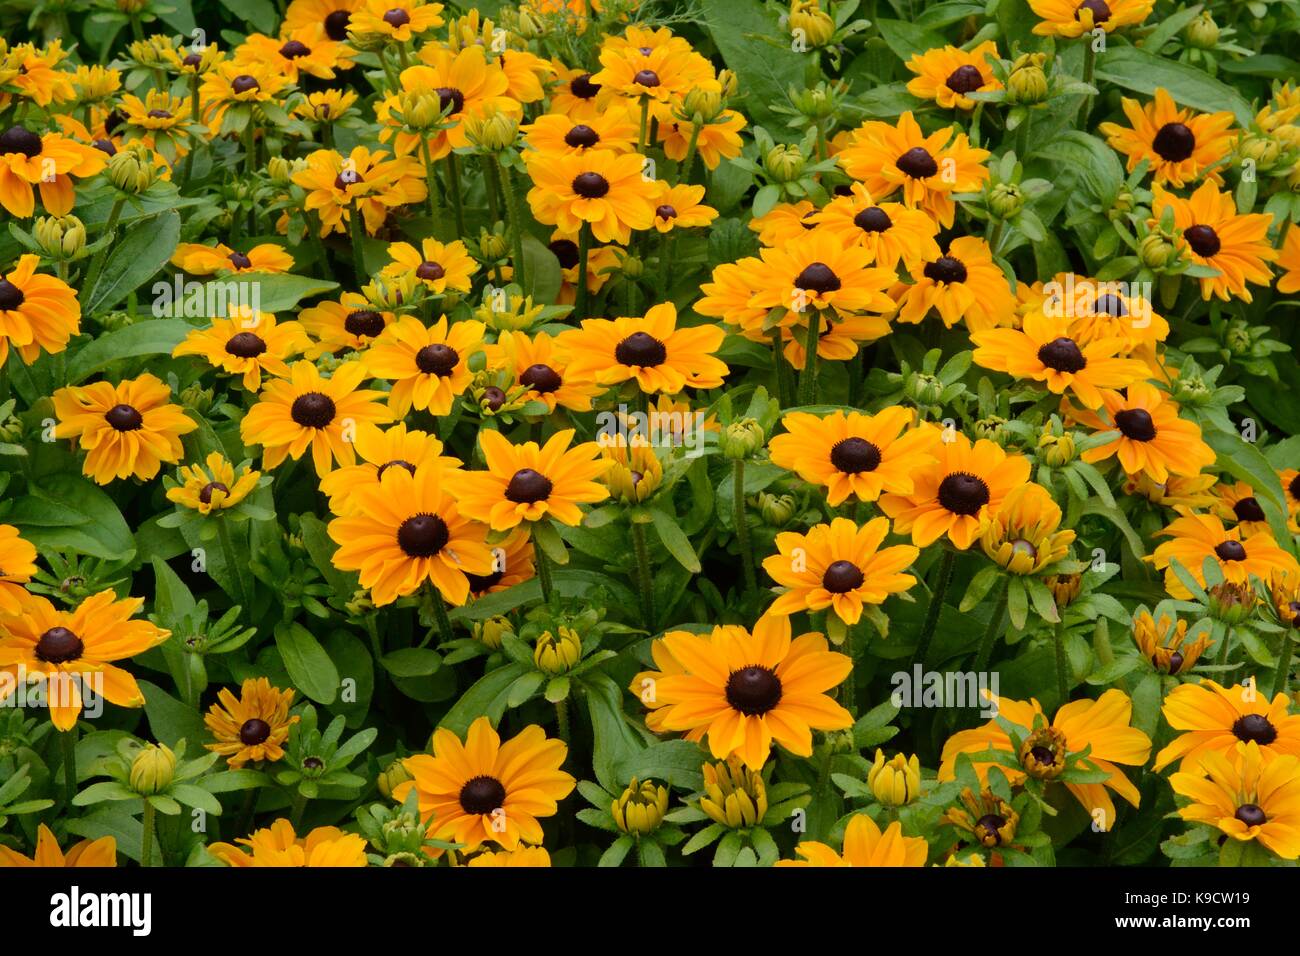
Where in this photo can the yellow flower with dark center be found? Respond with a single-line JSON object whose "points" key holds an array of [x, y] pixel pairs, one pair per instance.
{"points": [[512, 563], [94, 853], [336, 186], [1152, 439], [37, 312], [716, 141], [600, 188], [278, 846], [307, 411], [325, 106], [381, 450], [988, 818], [1248, 799], [640, 808], [525, 856], [440, 266], [1102, 725], [895, 782], [658, 76], [947, 74], [485, 791], [17, 565], [1022, 536], [1189, 491], [730, 295], [1239, 556], [350, 324], [1216, 720], [614, 130], [652, 349], [1237, 505], [576, 96], [1179, 145], [406, 529], [1214, 235], [838, 566], [199, 259], [633, 471], [747, 690], [785, 222], [231, 84], [126, 429], [1289, 262], [817, 271], [1073, 18], [928, 169], [36, 75], [679, 207], [527, 482], [1162, 642], [428, 366], [958, 495], [734, 795], [247, 345], [889, 231], [47, 161], [253, 726], [398, 23], [963, 283], [158, 110], [65, 649], [333, 16], [306, 51], [542, 365], [213, 486], [864, 845]]}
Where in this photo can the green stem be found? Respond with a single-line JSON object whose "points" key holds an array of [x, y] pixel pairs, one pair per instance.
{"points": [[641, 143], [440, 615], [430, 179], [985, 653], [296, 812], [584, 250], [1089, 65], [1223, 648], [358, 259], [849, 692], [645, 581], [491, 186], [1282, 676], [68, 740], [808, 378], [146, 836], [742, 526], [1062, 664], [947, 562], [543, 565], [516, 227], [684, 174], [780, 368], [562, 719], [457, 205], [97, 264], [244, 822]]}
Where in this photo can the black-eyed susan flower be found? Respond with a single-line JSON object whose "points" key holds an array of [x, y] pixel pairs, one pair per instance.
{"points": [[1179, 145], [350, 324], [1289, 262], [93, 853], [679, 207], [959, 494], [1152, 439], [333, 16], [987, 819], [398, 23], [1102, 725], [488, 791], [1052, 351], [947, 74], [784, 222], [1073, 18], [512, 563], [1236, 504], [230, 84], [540, 364], [37, 312], [890, 232], [308, 411], [657, 77], [715, 141], [278, 846], [253, 726], [928, 169], [249, 345], [215, 485], [1194, 538], [405, 529], [576, 96], [325, 106], [17, 565], [817, 271], [963, 283], [439, 266], [1024, 535], [865, 845], [747, 690], [527, 482], [200, 259], [379, 451], [66, 650], [364, 180], [600, 188], [554, 133], [653, 350], [47, 162], [1248, 799], [1215, 720], [730, 296], [428, 365], [1187, 491], [126, 429], [839, 566], [1163, 641], [305, 51], [525, 856], [1215, 235]]}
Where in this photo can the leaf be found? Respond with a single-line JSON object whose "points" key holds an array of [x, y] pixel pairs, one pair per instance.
{"points": [[485, 698], [615, 740], [136, 256], [1244, 461], [150, 337], [169, 719], [280, 291], [1139, 71], [412, 662], [765, 71], [909, 39], [542, 269], [309, 667], [674, 762], [255, 12], [675, 540], [68, 512]]}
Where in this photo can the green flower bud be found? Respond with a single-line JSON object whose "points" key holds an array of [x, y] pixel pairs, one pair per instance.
{"points": [[152, 769], [1156, 251], [777, 510], [1237, 338], [490, 632], [493, 245], [1202, 32], [1056, 450], [923, 389], [632, 266], [784, 163], [702, 104], [1027, 83], [391, 776], [1125, 202], [813, 23], [1263, 151], [131, 169], [641, 808], [741, 439], [1005, 200], [60, 237], [557, 653], [492, 133]]}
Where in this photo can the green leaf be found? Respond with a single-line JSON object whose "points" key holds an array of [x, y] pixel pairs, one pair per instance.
{"points": [[487, 697], [616, 742], [282, 291], [765, 70], [542, 270], [674, 762], [412, 662], [65, 512], [137, 255], [309, 667], [548, 539], [1139, 71], [169, 719], [255, 12], [675, 540], [909, 39], [150, 337]]}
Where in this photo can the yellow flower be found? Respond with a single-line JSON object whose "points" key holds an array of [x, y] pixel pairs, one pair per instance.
{"points": [[895, 782], [253, 726], [278, 846], [947, 74], [1072, 18], [1198, 537], [600, 188], [963, 283], [37, 312], [1023, 536], [1179, 145], [526, 482], [215, 487], [652, 349], [428, 366], [1214, 235], [1162, 642], [864, 845], [247, 345], [1248, 799], [93, 853]]}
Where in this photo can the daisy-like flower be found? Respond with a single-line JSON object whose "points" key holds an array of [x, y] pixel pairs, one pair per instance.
{"points": [[657, 77], [253, 726], [526, 482], [554, 133], [1152, 439], [747, 690], [1193, 538], [928, 169], [278, 846], [576, 96], [1216, 236], [1101, 725], [486, 791], [397, 24], [679, 207], [890, 232], [1179, 145], [947, 74], [349, 325], [652, 350], [716, 140], [730, 296], [96, 853], [785, 222], [404, 530], [512, 563], [1074, 18], [1104, 310], [37, 312], [126, 429], [158, 113], [527, 856], [325, 106], [1023, 536], [306, 51], [36, 74], [864, 845], [598, 187], [816, 272], [247, 345], [336, 185], [854, 453], [234, 84], [840, 566], [1289, 262], [65, 650], [333, 16], [306, 411], [1217, 720], [1249, 799], [213, 486], [379, 451], [47, 162], [963, 283], [1236, 503], [428, 366], [542, 365], [959, 494], [203, 260], [439, 266], [1164, 642], [17, 565], [1051, 351]]}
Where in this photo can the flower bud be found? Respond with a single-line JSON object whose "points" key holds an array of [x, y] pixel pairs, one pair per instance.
{"points": [[529, 24], [493, 133], [131, 169], [633, 267], [1236, 337], [131, 6], [1156, 251], [493, 245], [152, 769], [1005, 200], [742, 439], [1125, 203], [777, 510], [490, 632], [702, 104], [784, 163], [1064, 587], [60, 237], [895, 782], [195, 397], [641, 808], [994, 428], [1056, 450], [734, 795], [729, 82], [1027, 82], [988, 818], [815, 24], [923, 389], [1202, 32], [391, 776], [1042, 755], [1231, 603], [390, 292], [1263, 151], [555, 652]]}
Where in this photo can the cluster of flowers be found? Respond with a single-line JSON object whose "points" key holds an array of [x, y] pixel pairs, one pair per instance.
{"points": [[865, 369]]}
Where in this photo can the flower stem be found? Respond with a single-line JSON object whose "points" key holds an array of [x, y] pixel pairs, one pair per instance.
{"points": [[948, 561], [68, 740], [440, 615], [985, 652], [742, 525], [808, 379], [430, 179], [516, 228], [1062, 663], [645, 582], [97, 264], [684, 174], [358, 259], [780, 368], [1089, 65], [543, 565], [1282, 676], [457, 206], [296, 812], [1223, 648], [562, 719], [584, 249], [146, 836], [645, 116]]}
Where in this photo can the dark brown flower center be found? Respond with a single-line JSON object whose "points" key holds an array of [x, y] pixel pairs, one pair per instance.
{"points": [[1112, 305], [527, 486], [666, 212], [963, 494], [1230, 551], [159, 114], [364, 322], [873, 219], [493, 397], [641, 350], [590, 185], [395, 463], [987, 827], [1254, 727], [945, 269], [254, 731], [855, 455], [1063, 355], [59, 645], [336, 25], [1100, 11], [346, 178], [753, 690], [1175, 662], [11, 297], [1203, 240], [1251, 815], [124, 418], [566, 250], [105, 146], [482, 795], [1294, 487], [965, 79], [841, 577], [245, 345], [478, 583], [817, 277], [540, 378], [205, 493], [917, 163], [192, 60], [243, 83], [239, 260], [1135, 424], [312, 410], [583, 88], [397, 17], [430, 271], [422, 535], [581, 137], [19, 139], [1248, 509], [437, 359], [294, 49], [450, 100], [648, 78], [1174, 142]]}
